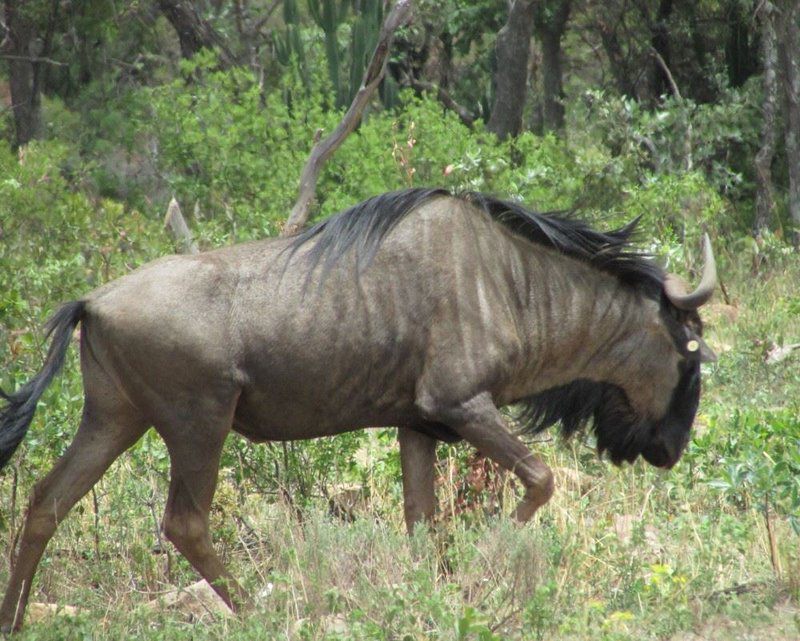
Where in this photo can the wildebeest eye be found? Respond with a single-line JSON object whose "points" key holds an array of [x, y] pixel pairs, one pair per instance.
{"points": [[697, 350]]}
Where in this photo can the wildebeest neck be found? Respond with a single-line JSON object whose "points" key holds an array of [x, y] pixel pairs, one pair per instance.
{"points": [[579, 323]]}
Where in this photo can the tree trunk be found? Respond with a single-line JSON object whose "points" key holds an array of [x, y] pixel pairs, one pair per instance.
{"points": [[446, 60], [23, 71], [741, 59], [789, 50], [699, 89], [194, 33], [765, 203], [550, 24], [618, 63], [511, 73], [659, 40]]}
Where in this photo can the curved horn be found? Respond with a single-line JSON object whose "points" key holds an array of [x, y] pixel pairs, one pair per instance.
{"points": [[675, 289]]}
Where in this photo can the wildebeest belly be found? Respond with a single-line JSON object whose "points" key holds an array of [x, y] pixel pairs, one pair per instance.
{"points": [[280, 416], [268, 421]]}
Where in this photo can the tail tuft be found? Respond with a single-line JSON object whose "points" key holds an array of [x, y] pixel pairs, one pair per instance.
{"points": [[16, 416]]}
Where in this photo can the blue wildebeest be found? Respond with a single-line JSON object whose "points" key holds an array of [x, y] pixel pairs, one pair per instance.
{"points": [[415, 309]]}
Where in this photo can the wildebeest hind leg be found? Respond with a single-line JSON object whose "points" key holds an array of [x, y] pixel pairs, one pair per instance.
{"points": [[195, 454], [417, 460], [103, 435], [480, 423]]}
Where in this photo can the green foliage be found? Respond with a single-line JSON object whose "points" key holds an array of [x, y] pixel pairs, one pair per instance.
{"points": [[363, 38], [239, 158], [56, 245], [235, 154], [719, 139], [329, 14], [295, 42], [753, 459], [466, 30], [57, 242]]}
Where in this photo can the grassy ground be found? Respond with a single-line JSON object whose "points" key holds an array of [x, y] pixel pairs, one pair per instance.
{"points": [[629, 553]]}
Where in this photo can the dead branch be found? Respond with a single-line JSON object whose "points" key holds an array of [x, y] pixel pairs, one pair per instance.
{"points": [[265, 18], [738, 589], [176, 223], [662, 63], [687, 142], [774, 556], [324, 149], [49, 61], [442, 96]]}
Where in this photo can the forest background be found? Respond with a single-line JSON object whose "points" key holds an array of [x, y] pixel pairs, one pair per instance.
{"points": [[684, 113]]}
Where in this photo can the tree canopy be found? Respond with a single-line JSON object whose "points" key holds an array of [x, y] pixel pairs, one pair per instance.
{"points": [[708, 86]]}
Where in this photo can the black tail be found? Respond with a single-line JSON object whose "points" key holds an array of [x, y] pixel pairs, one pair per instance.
{"points": [[18, 413]]}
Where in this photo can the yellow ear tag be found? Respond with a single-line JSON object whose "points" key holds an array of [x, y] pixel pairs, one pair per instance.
{"points": [[692, 346]]}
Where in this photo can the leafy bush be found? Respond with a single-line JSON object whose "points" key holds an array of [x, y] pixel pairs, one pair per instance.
{"points": [[719, 138], [218, 145], [57, 242], [57, 245], [238, 150], [753, 459]]}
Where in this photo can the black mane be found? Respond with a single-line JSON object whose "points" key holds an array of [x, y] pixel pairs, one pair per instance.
{"points": [[582, 404], [362, 226], [365, 225]]}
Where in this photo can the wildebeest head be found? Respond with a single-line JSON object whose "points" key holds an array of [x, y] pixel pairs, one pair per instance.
{"points": [[649, 409], [670, 434]]}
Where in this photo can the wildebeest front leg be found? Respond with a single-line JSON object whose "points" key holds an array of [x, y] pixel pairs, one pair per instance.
{"points": [[480, 423], [417, 459]]}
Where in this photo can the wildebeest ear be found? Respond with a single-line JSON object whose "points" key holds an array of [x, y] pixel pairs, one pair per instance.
{"points": [[699, 349]]}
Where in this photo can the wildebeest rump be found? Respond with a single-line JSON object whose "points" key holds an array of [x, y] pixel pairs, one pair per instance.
{"points": [[415, 309]]}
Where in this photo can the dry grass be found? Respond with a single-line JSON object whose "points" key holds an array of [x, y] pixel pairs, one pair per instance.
{"points": [[634, 557]]}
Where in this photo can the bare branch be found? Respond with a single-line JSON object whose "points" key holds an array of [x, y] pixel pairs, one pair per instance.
{"points": [[445, 98], [687, 141], [263, 19], [324, 149], [49, 61], [662, 63], [176, 223]]}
